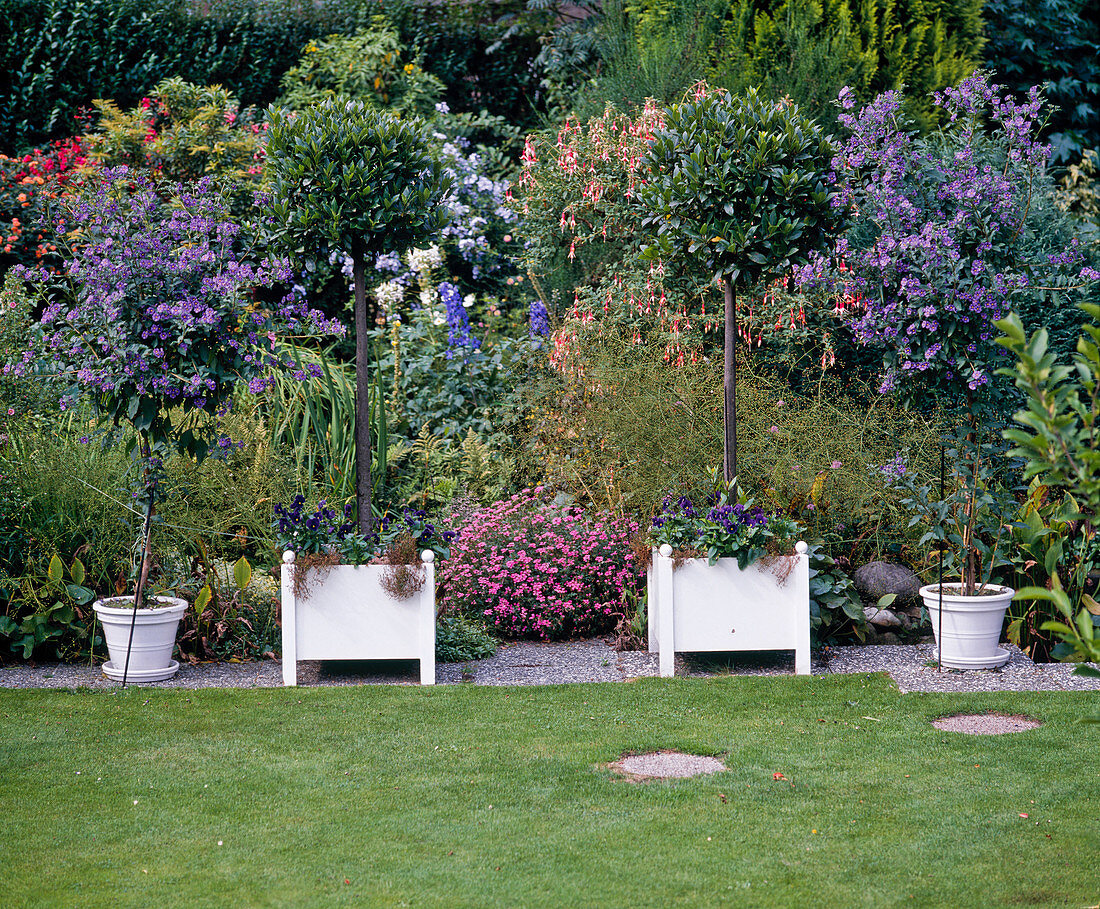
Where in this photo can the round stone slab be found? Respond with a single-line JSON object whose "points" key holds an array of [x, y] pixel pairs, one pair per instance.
{"points": [[667, 765], [985, 723]]}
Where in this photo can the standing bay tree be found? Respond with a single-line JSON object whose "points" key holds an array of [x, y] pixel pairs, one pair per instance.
{"points": [[744, 187], [350, 179]]}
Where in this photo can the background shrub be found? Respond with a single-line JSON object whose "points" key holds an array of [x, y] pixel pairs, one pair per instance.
{"points": [[58, 57], [535, 567], [1056, 43], [367, 66], [632, 427], [803, 49]]}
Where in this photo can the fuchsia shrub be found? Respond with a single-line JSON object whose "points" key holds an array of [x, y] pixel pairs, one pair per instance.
{"points": [[534, 569]]}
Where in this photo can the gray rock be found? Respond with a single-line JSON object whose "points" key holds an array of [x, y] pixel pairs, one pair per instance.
{"points": [[876, 579], [881, 618]]}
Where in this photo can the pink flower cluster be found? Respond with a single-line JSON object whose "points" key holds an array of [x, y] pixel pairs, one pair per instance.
{"points": [[532, 568]]}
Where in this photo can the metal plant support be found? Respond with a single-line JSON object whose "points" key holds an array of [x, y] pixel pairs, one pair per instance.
{"points": [[943, 552]]}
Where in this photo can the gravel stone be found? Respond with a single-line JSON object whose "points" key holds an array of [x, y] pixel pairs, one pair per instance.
{"points": [[911, 666]]}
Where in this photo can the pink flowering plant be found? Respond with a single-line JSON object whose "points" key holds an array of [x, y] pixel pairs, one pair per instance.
{"points": [[532, 567]]}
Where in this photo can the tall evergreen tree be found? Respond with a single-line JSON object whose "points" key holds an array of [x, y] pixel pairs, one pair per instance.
{"points": [[809, 49]]}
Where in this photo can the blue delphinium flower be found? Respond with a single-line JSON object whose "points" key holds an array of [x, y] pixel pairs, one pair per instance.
{"points": [[539, 320], [458, 322]]}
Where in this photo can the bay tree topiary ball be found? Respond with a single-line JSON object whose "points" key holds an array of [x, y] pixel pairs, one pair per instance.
{"points": [[739, 184], [350, 178]]}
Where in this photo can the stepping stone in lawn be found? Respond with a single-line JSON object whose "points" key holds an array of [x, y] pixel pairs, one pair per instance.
{"points": [[665, 765], [986, 723]]}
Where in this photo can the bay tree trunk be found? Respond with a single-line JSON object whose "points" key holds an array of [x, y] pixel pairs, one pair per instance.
{"points": [[729, 387], [363, 449]]}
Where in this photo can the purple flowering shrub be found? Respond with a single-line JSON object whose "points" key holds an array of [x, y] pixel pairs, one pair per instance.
{"points": [[941, 246], [532, 568], [156, 309]]}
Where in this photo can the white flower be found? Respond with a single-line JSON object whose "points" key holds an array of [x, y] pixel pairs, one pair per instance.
{"points": [[389, 294], [427, 298], [422, 261], [469, 300]]}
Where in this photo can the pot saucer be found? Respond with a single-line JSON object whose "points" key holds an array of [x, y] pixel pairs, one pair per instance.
{"points": [[141, 675], [993, 662]]}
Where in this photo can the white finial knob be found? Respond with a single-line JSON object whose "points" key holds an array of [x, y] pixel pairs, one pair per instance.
{"points": [[665, 550], [288, 557], [801, 548], [427, 557]]}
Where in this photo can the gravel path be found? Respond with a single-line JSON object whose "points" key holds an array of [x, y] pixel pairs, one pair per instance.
{"points": [[590, 661]]}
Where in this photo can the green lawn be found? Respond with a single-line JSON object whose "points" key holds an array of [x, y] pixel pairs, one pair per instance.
{"points": [[481, 796]]}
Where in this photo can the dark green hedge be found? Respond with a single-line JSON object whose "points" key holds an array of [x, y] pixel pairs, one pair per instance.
{"points": [[1054, 43], [56, 56]]}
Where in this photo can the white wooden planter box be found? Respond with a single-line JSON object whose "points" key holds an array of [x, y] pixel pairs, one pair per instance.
{"points": [[348, 616], [720, 607]]}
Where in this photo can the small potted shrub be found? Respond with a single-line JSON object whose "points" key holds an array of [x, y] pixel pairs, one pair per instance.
{"points": [[347, 179], [353, 596], [743, 187], [726, 576], [153, 322]]}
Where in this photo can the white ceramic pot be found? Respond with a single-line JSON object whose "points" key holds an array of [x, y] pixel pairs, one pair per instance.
{"points": [[721, 607], [154, 638], [971, 626]]}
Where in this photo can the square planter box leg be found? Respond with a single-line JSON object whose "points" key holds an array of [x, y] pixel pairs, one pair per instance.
{"points": [[347, 615], [720, 607]]}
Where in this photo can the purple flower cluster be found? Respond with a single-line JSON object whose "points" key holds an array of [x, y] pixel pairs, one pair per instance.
{"points": [[157, 306], [896, 467], [539, 320], [323, 530], [730, 517], [935, 251], [304, 531], [475, 202], [720, 527]]}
